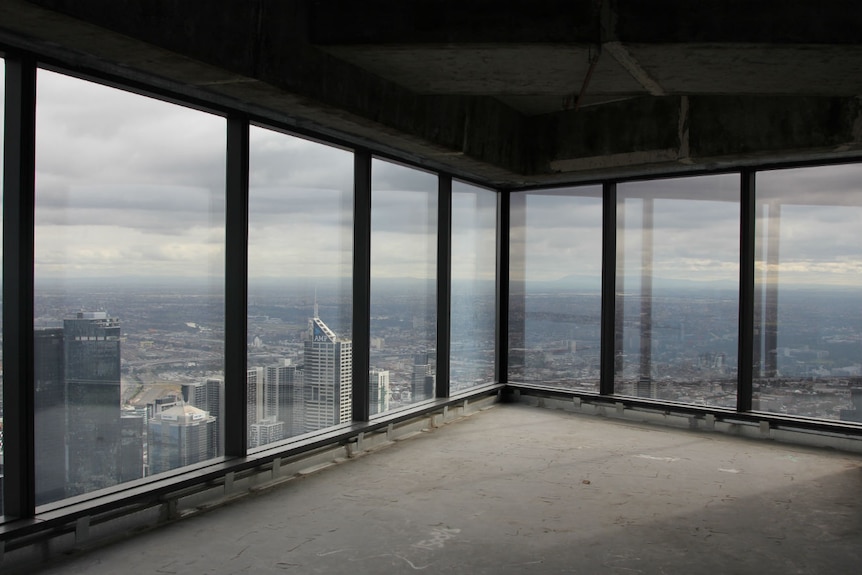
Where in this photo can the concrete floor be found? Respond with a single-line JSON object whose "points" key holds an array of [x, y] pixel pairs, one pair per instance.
{"points": [[517, 489]]}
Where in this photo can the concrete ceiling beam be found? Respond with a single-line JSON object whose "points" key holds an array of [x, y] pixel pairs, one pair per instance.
{"points": [[645, 134], [447, 83], [260, 48], [573, 21]]}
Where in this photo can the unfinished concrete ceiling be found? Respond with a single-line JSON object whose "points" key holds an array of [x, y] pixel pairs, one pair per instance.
{"points": [[513, 94]]}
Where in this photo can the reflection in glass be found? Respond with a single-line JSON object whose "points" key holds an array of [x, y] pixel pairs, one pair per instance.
{"points": [[300, 279], [677, 288], [808, 273], [129, 298], [555, 287], [473, 291], [403, 283]]}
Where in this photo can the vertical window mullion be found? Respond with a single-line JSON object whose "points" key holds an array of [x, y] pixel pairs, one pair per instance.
{"points": [[444, 285], [19, 159], [361, 284], [236, 286], [746, 291], [609, 275], [504, 221]]}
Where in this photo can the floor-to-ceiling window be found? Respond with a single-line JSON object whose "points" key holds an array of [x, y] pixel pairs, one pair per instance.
{"points": [[555, 284], [299, 281], [808, 292], [129, 286], [403, 336], [677, 289], [129, 299], [473, 286]]}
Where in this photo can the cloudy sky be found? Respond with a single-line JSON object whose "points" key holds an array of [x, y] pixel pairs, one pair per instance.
{"points": [[691, 238], [125, 185], [130, 186], [557, 234]]}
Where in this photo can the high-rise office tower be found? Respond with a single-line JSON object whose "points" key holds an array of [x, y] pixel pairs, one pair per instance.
{"points": [[378, 380], [645, 387], [267, 430], [208, 395], [131, 452], [254, 397], [92, 365], [195, 394], [50, 425], [178, 436], [854, 414], [422, 386], [160, 404], [283, 393], [328, 377]]}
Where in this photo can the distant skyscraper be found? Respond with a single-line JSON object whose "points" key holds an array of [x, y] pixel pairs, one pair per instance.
{"points": [[422, 386], [208, 395], [854, 414], [50, 424], [160, 404], [378, 380], [92, 365], [327, 377], [254, 397], [283, 393], [267, 430], [131, 453], [645, 387], [178, 436]]}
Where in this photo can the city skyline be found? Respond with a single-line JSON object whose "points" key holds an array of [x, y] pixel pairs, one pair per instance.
{"points": [[694, 356], [90, 436], [118, 210]]}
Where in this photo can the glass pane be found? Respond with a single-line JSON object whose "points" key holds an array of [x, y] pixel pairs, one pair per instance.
{"points": [[300, 286], [129, 297], [555, 288], [678, 289], [474, 272], [2, 132], [808, 274], [403, 284]]}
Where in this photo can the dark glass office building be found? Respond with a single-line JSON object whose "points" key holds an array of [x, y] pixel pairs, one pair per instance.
{"points": [[50, 428], [92, 359], [180, 435]]}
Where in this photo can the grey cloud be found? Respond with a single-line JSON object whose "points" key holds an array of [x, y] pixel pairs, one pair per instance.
{"points": [[267, 203], [720, 187], [694, 215], [162, 209], [387, 176], [278, 159], [474, 213], [93, 133], [547, 212], [406, 213], [824, 185], [110, 158]]}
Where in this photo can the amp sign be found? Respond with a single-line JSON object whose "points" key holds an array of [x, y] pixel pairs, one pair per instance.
{"points": [[318, 335]]}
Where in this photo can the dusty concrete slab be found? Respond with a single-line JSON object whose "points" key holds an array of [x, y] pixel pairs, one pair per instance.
{"points": [[516, 489]]}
